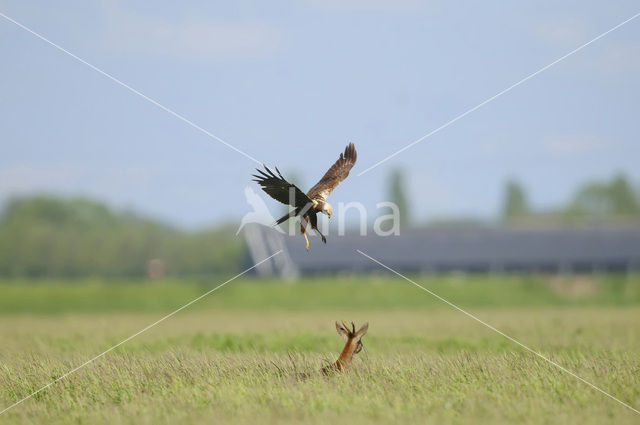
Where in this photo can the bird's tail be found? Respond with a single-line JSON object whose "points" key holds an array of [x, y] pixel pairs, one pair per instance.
{"points": [[286, 217]]}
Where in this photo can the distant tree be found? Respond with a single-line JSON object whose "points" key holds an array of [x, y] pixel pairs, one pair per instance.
{"points": [[623, 197], [515, 204], [604, 200], [397, 195], [47, 236]]}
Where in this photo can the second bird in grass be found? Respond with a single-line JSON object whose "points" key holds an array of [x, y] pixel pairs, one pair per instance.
{"points": [[314, 201]]}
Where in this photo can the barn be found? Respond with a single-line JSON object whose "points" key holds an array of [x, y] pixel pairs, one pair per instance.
{"points": [[479, 250]]}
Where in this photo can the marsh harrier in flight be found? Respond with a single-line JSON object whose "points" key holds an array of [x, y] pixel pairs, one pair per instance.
{"points": [[314, 201]]}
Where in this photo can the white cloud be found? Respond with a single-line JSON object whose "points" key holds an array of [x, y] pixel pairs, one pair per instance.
{"points": [[195, 38], [563, 32], [571, 144], [619, 57], [40, 177], [21, 178], [369, 5], [608, 57]]}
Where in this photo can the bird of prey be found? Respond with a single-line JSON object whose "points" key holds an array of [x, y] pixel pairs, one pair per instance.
{"points": [[314, 201]]}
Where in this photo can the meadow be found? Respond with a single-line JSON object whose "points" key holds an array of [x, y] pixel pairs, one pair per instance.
{"points": [[237, 355]]}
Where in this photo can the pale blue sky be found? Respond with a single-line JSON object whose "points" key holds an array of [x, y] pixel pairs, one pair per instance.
{"points": [[291, 83]]}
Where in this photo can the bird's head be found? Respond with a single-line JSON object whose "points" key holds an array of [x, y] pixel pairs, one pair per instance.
{"points": [[326, 209]]}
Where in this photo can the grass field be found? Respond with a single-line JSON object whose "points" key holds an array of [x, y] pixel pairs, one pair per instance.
{"points": [[235, 356]]}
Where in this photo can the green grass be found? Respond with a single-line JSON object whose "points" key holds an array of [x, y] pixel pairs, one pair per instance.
{"points": [[236, 356], [352, 292]]}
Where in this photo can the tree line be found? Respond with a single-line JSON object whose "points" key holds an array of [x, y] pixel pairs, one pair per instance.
{"points": [[610, 201], [44, 236]]}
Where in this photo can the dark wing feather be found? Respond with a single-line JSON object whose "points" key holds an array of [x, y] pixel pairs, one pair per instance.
{"points": [[338, 172], [278, 188]]}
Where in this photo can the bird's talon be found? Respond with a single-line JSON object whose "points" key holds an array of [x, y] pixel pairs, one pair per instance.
{"points": [[324, 239]]}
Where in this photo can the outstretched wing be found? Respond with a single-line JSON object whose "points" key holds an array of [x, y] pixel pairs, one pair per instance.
{"points": [[338, 172], [278, 188]]}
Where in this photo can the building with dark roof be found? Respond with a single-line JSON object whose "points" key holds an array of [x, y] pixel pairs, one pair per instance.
{"points": [[465, 249]]}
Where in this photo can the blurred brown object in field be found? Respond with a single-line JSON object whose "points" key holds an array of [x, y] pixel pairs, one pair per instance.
{"points": [[573, 285], [155, 269]]}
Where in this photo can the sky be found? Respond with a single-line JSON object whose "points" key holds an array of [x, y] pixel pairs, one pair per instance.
{"points": [[291, 83]]}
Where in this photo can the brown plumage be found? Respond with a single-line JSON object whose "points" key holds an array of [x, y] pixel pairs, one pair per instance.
{"points": [[308, 205]]}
